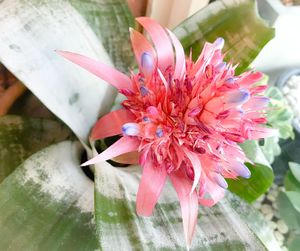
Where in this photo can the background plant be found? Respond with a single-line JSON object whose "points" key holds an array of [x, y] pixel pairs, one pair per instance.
{"points": [[289, 205]]}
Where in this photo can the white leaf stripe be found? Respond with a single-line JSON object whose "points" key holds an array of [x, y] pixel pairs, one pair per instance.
{"points": [[119, 226]]}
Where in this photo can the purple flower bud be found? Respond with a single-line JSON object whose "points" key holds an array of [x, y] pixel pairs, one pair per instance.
{"points": [[221, 66], [241, 170], [146, 119], [264, 100], [229, 81], [238, 96], [146, 63], [144, 91], [130, 129], [159, 132], [260, 102], [220, 180], [219, 43]]}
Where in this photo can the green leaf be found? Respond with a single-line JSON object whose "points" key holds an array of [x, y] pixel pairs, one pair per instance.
{"points": [[27, 49], [47, 203], [21, 137], [256, 222], [110, 20], [236, 21], [219, 227], [292, 219], [261, 174], [250, 189], [294, 198], [287, 212], [295, 168], [290, 182]]}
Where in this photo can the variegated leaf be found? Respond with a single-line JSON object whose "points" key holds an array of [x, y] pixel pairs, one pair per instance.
{"points": [[234, 20], [31, 31], [20, 137], [47, 203], [119, 227]]}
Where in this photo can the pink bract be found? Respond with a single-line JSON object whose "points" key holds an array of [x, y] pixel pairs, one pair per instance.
{"points": [[184, 118]]}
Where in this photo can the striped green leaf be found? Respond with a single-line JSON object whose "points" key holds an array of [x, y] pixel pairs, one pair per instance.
{"points": [[222, 227], [291, 183], [21, 137], [110, 20], [31, 31], [47, 203], [234, 20]]}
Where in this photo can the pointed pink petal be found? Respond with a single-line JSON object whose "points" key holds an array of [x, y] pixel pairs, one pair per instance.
{"points": [[195, 161], [206, 54], [259, 132], [188, 203], [107, 73], [258, 89], [180, 57], [250, 78], [161, 42], [151, 185], [215, 191], [256, 103], [111, 124], [128, 158], [123, 145], [141, 45]]}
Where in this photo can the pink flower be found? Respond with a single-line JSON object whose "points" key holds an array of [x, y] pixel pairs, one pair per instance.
{"points": [[184, 118]]}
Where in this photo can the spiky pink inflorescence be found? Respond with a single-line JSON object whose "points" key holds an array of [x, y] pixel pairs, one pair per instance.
{"points": [[184, 118]]}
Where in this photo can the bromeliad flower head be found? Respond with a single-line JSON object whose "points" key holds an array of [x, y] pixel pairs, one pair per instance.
{"points": [[184, 118]]}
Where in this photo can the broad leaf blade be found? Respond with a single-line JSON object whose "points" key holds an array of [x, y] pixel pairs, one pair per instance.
{"points": [[219, 228], [110, 20], [236, 21], [261, 174], [291, 183], [47, 203], [294, 198], [292, 219], [30, 32], [287, 212], [21, 137], [256, 222], [295, 169]]}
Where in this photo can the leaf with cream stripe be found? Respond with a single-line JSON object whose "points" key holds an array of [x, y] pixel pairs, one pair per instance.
{"points": [[47, 203]]}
